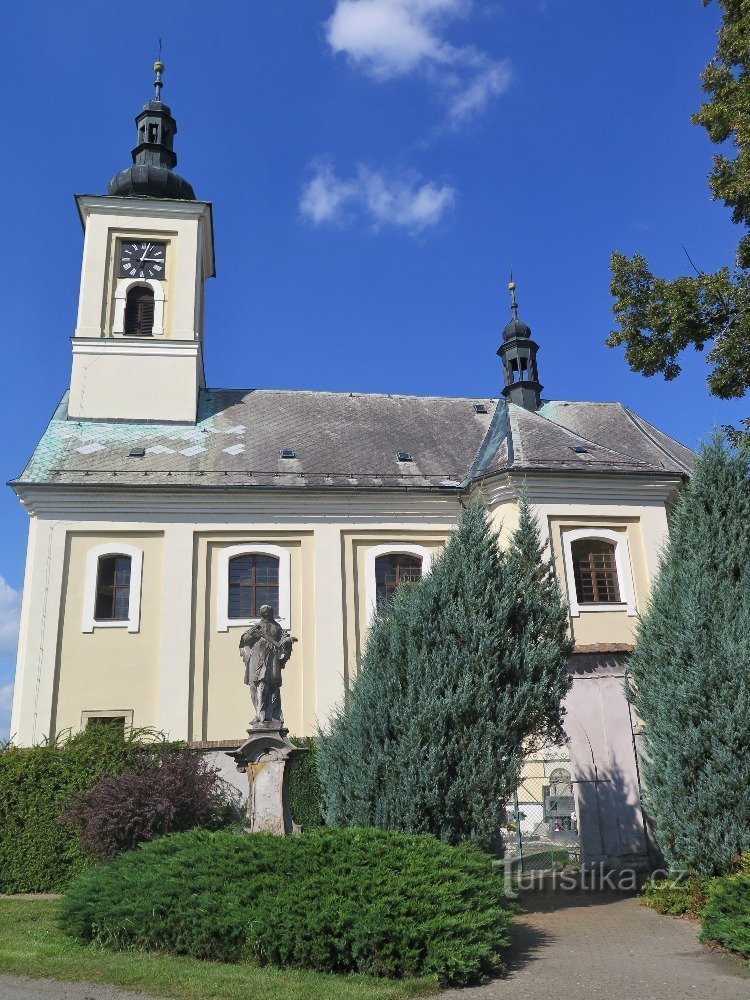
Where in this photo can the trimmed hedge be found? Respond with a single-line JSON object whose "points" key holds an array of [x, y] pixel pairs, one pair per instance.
{"points": [[364, 901], [38, 852], [305, 795], [726, 916]]}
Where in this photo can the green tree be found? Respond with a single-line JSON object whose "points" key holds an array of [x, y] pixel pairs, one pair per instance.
{"points": [[689, 676], [659, 318], [462, 671]]}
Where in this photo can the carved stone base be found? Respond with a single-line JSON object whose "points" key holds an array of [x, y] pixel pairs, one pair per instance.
{"points": [[268, 757]]}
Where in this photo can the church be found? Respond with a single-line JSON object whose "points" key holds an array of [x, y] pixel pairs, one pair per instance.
{"points": [[164, 514]]}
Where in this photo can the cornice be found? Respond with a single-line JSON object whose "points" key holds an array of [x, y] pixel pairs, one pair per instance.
{"points": [[210, 504], [143, 347], [583, 487]]}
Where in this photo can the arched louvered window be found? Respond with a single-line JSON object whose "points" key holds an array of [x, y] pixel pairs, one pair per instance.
{"points": [[139, 312], [393, 569], [595, 571], [113, 588], [253, 582]]}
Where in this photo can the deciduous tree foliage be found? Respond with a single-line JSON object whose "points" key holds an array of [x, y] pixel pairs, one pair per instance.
{"points": [[689, 676], [659, 318], [461, 671]]}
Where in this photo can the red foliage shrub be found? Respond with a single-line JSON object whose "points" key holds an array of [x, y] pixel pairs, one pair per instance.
{"points": [[177, 792]]}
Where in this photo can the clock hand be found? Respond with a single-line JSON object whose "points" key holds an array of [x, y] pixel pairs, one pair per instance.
{"points": [[148, 247]]}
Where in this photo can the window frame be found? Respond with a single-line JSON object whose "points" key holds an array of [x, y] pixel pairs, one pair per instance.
{"points": [[223, 621], [137, 295], [133, 622], [389, 549], [126, 714], [122, 288], [622, 564]]}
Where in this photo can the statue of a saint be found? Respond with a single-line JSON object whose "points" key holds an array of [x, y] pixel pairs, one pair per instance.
{"points": [[265, 649]]}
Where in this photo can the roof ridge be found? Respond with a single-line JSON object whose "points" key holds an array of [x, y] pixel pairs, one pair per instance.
{"points": [[638, 420], [357, 392]]}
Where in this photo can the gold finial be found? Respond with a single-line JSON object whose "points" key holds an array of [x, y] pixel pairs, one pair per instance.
{"points": [[512, 290], [158, 69]]}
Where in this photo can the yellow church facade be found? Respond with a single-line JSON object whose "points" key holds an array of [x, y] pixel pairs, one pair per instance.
{"points": [[164, 513]]}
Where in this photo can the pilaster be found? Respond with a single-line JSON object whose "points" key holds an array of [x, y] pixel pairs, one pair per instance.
{"points": [[329, 620], [31, 719], [175, 659]]}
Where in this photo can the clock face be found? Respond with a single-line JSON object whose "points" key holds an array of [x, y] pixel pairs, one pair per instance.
{"points": [[141, 259]]}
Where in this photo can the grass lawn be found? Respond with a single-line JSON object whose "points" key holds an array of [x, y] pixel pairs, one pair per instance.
{"points": [[31, 944]]}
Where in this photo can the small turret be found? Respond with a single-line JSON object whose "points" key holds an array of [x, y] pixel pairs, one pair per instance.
{"points": [[152, 174], [518, 355]]}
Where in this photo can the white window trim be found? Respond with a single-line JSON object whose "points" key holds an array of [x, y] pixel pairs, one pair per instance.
{"points": [[122, 288], [133, 622], [224, 622], [390, 549], [622, 564]]}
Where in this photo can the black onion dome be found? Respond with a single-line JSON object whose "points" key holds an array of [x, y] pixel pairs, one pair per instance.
{"points": [[516, 328], [144, 180]]}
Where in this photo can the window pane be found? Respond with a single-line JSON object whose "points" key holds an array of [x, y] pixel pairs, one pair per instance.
{"points": [[112, 589], [595, 571], [253, 582], [391, 570]]}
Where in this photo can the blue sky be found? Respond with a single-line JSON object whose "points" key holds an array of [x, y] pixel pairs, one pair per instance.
{"points": [[376, 166]]}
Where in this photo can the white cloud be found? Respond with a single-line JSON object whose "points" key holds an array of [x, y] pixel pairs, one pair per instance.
{"points": [[390, 38], [325, 196], [10, 612], [6, 700], [405, 201]]}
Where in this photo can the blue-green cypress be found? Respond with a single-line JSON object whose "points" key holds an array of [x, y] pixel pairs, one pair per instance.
{"points": [[689, 676], [461, 671]]}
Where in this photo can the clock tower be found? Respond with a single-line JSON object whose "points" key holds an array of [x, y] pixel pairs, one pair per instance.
{"points": [[148, 249]]}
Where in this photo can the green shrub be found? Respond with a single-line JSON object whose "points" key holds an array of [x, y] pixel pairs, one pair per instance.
{"points": [[38, 853], [677, 896], [726, 916], [354, 900], [304, 787]]}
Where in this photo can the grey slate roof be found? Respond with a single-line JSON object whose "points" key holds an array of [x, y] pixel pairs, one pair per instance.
{"points": [[349, 440]]}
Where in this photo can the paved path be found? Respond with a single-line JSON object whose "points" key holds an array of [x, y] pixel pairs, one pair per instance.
{"points": [[18, 988], [608, 946], [593, 945]]}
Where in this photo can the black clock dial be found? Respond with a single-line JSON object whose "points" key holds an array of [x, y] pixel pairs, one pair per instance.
{"points": [[143, 259]]}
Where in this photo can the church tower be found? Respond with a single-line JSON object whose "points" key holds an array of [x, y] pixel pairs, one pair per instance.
{"points": [[518, 355], [148, 249]]}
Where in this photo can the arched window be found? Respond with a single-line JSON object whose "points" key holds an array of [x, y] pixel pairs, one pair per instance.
{"points": [[595, 571], [393, 569], [113, 588], [253, 582], [139, 312]]}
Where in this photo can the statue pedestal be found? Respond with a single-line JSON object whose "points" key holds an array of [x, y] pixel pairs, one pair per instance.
{"points": [[268, 757]]}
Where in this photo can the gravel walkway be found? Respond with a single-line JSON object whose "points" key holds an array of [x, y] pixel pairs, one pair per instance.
{"points": [[597, 945]]}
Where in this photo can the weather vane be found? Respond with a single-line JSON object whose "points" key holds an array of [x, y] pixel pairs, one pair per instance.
{"points": [[512, 290], [158, 69]]}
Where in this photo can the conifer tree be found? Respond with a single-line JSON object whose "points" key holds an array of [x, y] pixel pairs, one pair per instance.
{"points": [[689, 676], [461, 670]]}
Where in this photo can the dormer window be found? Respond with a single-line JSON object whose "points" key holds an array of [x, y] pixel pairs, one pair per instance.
{"points": [[139, 312]]}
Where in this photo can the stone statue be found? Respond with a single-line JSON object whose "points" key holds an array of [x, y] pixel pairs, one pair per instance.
{"points": [[265, 649]]}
